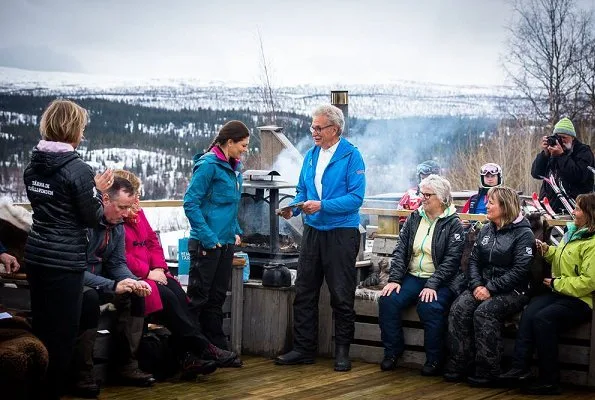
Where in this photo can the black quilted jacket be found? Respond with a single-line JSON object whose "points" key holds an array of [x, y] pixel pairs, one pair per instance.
{"points": [[501, 259], [447, 247], [61, 190]]}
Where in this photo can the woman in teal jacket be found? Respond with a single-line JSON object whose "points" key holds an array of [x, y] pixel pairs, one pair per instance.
{"points": [[211, 205], [570, 303]]}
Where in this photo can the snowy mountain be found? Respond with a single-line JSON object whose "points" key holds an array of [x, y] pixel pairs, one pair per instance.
{"points": [[396, 99]]}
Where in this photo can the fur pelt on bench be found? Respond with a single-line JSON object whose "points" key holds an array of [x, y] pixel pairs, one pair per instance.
{"points": [[23, 360]]}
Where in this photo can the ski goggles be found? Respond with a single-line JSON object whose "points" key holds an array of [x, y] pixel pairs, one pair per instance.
{"points": [[491, 169]]}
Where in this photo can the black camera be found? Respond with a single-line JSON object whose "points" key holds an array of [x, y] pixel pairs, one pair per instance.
{"points": [[552, 140]]}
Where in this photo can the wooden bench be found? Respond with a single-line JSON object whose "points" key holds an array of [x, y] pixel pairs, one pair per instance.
{"points": [[576, 348]]}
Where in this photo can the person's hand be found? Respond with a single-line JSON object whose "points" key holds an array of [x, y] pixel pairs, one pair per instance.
{"points": [[125, 286], [10, 263], [286, 213], [105, 180], [556, 150], [311, 206], [238, 240], [388, 289], [542, 246], [428, 295], [544, 145], [481, 293], [158, 275], [142, 289], [548, 282]]}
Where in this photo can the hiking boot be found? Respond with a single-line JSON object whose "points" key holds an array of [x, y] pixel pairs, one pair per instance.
{"points": [[193, 366], [131, 375], [222, 358]]}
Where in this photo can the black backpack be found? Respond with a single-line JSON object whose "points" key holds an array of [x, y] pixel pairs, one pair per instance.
{"points": [[156, 355]]}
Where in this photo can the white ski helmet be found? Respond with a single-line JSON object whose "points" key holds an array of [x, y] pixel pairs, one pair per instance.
{"points": [[492, 169]]}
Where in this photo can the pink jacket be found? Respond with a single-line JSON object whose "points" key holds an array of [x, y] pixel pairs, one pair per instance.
{"points": [[144, 253]]}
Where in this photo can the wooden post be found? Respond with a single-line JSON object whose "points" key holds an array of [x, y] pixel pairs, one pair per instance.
{"points": [[237, 304]]}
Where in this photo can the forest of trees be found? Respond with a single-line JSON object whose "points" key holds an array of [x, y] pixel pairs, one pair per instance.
{"points": [[182, 134]]}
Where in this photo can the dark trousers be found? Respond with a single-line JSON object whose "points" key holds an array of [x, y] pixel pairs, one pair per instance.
{"points": [[210, 272], [432, 315], [542, 321], [326, 255], [56, 296], [474, 331], [176, 316], [130, 311]]}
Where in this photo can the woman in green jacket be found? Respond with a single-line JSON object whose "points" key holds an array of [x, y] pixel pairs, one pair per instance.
{"points": [[569, 304]]}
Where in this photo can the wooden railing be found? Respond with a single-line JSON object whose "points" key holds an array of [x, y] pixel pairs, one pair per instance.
{"points": [[388, 219]]}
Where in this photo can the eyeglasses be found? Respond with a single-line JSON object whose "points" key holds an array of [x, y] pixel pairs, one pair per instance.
{"points": [[319, 129], [427, 195]]}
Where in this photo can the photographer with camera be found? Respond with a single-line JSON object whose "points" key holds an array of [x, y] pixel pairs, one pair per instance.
{"points": [[564, 156]]}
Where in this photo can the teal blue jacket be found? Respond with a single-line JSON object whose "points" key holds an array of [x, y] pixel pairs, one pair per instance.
{"points": [[343, 188], [212, 199]]}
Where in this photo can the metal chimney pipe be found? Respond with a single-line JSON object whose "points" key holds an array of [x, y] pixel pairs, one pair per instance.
{"points": [[340, 98]]}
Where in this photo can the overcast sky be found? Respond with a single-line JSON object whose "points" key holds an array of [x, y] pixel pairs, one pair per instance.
{"points": [[305, 41]]}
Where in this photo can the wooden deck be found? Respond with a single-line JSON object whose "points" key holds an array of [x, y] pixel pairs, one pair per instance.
{"points": [[260, 379]]}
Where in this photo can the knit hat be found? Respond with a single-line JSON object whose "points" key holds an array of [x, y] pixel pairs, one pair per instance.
{"points": [[565, 126]]}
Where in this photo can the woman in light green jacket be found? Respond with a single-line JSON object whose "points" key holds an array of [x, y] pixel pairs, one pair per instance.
{"points": [[569, 304]]}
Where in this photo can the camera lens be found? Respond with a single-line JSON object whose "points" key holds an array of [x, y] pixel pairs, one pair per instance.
{"points": [[552, 140]]}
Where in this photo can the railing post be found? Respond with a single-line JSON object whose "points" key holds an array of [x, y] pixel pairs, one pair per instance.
{"points": [[237, 304]]}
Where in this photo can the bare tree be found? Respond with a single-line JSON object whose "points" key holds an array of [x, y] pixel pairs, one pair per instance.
{"points": [[544, 51], [266, 83], [519, 137], [586, 72]]}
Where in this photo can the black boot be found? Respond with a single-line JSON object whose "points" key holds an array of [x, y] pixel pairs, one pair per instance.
{"points": [[294, 358], [515, 374], [130, 331], [85, 385], [342, 362]]}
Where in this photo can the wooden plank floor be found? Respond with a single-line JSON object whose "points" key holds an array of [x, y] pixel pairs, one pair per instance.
{"points": [[260, 379]]}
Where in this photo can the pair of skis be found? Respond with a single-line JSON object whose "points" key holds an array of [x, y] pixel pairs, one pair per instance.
{"points": [[544, 207], [548, 212], [593, 171], [567, 201]]}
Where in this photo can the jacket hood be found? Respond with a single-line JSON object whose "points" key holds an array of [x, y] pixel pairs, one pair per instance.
{"points": [[519, 222], [450, 211], [46, 163], [215, 156]]}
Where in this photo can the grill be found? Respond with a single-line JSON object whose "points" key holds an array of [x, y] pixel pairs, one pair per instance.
{"points": [[267, 237]]}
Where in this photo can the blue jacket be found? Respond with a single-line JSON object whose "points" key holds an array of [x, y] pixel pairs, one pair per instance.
{"points": [[343, 188], [212, 199], [106, 257]]}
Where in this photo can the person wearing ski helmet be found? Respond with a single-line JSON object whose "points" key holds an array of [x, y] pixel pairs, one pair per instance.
{"points": [[411, 200], [565, 158], [490, 175]]}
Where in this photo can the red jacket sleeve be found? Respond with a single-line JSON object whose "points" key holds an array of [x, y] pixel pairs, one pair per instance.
{"points": [[466, 206]]}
